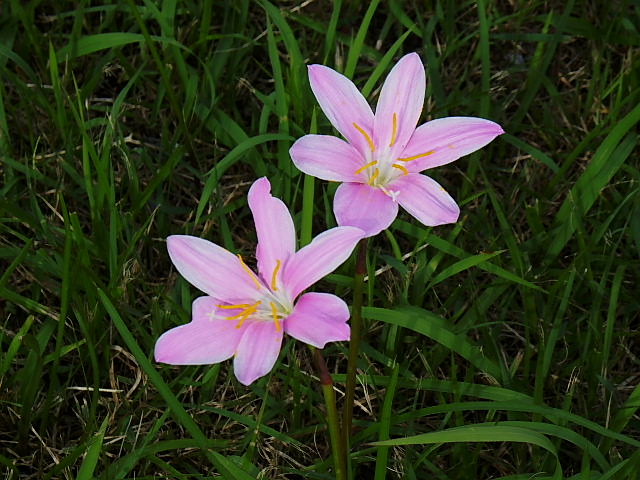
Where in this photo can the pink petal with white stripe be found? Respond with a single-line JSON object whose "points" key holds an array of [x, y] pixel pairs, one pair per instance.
{"points": [[257, 351], [203, 341], [327, 157], [447, 139], [365, 207], [322, 256], [425, 199], [211, 268], [319, 318], [402, 96], [343, 104], [274, 226]]}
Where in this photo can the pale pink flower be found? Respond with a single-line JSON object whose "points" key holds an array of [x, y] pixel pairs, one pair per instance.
{"points": [[245, 314], [379, 164]]}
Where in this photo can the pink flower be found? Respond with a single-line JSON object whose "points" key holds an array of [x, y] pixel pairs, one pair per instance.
{"points": [[245, 315], [384, 153]]}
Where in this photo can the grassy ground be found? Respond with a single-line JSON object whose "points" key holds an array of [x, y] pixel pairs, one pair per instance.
{"points": [[122, 123]]}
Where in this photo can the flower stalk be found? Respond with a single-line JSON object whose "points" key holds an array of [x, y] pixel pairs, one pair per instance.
{"points": [[337, 446], [354, 344]]}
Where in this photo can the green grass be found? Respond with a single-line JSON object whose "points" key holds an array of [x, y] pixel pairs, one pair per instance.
{"points": [[500, 347]]}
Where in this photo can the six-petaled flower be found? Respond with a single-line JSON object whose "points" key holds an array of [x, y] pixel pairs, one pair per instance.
{"points": [[246, 314], [379, 164]]}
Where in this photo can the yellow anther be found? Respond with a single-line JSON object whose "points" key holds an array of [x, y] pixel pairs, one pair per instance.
{"points": [[431, 152], [375, 175], [362, 169], [274, 314], [251, 274], [372, 145], [400, 167], [394, 134], [274, 277]]}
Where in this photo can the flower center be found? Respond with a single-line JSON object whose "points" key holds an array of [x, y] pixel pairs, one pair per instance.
{"points": [[383, 167], [273, 305]]}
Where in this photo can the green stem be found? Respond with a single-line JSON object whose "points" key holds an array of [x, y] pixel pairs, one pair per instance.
{"points": [[337, 449], [354, 344]]}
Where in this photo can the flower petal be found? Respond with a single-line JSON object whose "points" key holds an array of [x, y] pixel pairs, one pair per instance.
{"points": [[321, 257], [327, 157], [202, 341], [402, 95], [343, 104], [257, 351], [449, 139], [425, 199], [274, 226], [365, 207], [211, 268], [319, 318]]}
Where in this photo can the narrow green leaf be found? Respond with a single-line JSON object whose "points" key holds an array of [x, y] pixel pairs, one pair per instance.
{"points": [[223, 165], [432, 326], [383, 64], [90, 461], [607, 160], [451, 249], [531, 150], [474, 433], [480, 433], [355, 51], [103, 41], [462, 265], [14, 346], [555, 415], [382, 457]]}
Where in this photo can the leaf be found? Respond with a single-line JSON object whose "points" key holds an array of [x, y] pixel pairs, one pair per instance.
{"points": [[103, 41], [462, 265], [432, 326], [231, 158], [479, 433], [454, 387], [607, 160], [93, 453]]}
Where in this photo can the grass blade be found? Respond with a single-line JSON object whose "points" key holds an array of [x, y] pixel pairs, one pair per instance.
{"points": [[607, 160], [382, 457], [432, 326], [480, 433], [88, 466]]}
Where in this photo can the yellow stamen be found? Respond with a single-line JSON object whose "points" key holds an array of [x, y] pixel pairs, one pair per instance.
{"points": [[235, 307], [375, 175], [246, 312], [431, 152], [274, 277], [243, 319], [394, 134], [372, 145], [400, 167], [251, 274], [362, 169], [274, 314]]}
